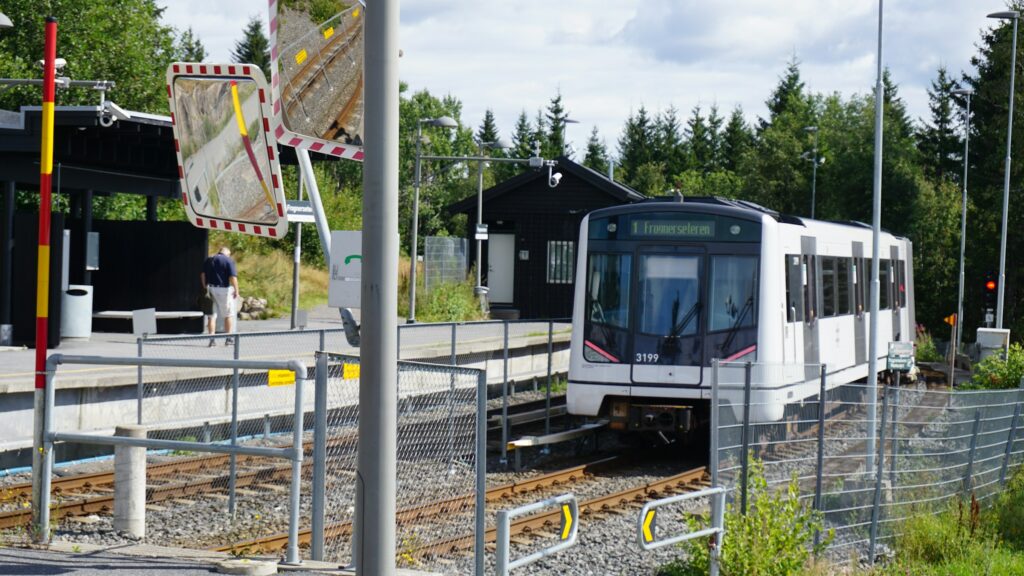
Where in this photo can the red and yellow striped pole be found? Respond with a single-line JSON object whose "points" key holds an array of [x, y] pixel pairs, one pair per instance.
{"points": [[41, 455], [45, 172]]}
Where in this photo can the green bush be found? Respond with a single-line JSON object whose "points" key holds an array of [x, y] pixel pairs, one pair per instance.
{"points": [[774, 538], [997, 373], [926, 351], [1009, 512], [938, 538]]}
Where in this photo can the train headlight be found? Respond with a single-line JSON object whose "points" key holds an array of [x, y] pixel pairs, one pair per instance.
{"points": [[612, 227], [734, 229]]}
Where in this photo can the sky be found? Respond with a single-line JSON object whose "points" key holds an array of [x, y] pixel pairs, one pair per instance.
{"points": [[609, 58]]}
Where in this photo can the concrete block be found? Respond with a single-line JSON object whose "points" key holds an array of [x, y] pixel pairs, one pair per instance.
{"points": [[247, 567], [130, 483]]}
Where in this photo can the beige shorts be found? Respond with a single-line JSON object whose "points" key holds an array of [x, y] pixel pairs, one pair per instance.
{"points": [[223, 303]]}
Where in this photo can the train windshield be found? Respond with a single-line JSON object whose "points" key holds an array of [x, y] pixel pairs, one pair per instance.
{"points": [[607, 306]]}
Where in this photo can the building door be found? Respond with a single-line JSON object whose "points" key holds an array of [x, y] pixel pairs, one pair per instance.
{"points": [[501, 266]]}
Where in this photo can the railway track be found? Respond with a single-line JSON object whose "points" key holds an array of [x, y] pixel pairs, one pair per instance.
{"points": [[92, 493]]}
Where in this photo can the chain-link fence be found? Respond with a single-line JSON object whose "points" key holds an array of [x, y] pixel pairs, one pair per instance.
{"points": [[440, 458], [444, 261], [867, 460]]}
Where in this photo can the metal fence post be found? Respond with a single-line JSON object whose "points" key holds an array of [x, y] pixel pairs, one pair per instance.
{"points": [[454, 356], [1011, 439], [319, 456], [323, 340], [139, 387], [504, 397], [717, 521], [479, 552], [292, 554], [880, 465], [819, 468], [895, 445], [501, 554], [713, 456], [970, 454], [233, 461], [547, 403], [745, 457]]}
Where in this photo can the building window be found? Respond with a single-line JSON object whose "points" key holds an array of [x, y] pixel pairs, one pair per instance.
{"points": [[560, 261]]}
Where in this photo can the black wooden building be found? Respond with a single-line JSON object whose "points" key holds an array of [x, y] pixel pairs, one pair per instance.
{"points": [[529, 259]]}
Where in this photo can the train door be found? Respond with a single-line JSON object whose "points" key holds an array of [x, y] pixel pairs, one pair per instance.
{"points": [[897, 294], [809, 249], [794, 333], [668, 343], [860, 325]]}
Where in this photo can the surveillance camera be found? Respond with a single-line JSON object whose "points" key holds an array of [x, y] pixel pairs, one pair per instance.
{"points": [[821, 161], [115, 111], [58, 63], [106, 120], [554, 179]]}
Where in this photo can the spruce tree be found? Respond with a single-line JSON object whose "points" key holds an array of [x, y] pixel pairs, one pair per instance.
{"points": [[488, 131], [556, 117], [790, 86], [937, 139], [698, 140], [715, 136], [253, 48], [737, 140], [597, 153], [670, 147], [189, 48], [636, 144]]}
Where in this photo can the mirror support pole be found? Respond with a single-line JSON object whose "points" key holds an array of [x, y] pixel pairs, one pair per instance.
{"points": [[322, 228]]}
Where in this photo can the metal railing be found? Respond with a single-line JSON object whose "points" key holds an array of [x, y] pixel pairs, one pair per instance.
{"points": [[646, 524], [928, 447], [46, 436], [568, 532]]}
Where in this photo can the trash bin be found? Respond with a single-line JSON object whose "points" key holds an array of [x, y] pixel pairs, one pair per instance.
{"points": [[76, 312]]}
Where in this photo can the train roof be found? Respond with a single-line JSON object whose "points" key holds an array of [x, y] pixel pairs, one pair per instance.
{"points": [[730, 207]]}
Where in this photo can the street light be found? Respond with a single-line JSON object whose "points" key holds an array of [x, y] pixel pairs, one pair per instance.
{"points": [[876, 238], [498, 144], [1015, 16], [440, 122], [5, 22], [963, 218], [812, 157]]}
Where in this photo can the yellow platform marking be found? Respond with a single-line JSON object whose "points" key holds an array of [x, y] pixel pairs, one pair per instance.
{"points": [[328, 32], [648, 521], [355, 13], [300, 57], [350, 371]]}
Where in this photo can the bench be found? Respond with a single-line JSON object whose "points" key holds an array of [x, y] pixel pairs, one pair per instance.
{"points": [[160, 314]]}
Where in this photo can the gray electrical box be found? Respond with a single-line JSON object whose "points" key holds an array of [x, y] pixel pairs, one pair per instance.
{"points": [[92, 251]]}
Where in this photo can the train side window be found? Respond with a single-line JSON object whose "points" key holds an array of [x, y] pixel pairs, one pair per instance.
{"points": [[901, 285], [843, 286], [794, 289], [858, 286], [733, 293], [810, 292], [828, 287], [884, 285]]}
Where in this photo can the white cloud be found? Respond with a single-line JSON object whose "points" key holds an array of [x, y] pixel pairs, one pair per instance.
{"points": [[609, 58]]}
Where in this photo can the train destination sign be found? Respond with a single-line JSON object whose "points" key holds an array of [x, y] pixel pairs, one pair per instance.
{"points": [[699, 229]]}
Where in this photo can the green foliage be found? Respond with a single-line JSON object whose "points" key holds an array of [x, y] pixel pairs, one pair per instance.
{"points": [[448, 302], [997, 373], [926, 351], [122, 40], [774, 538], [1009, 511], [253, 48]]}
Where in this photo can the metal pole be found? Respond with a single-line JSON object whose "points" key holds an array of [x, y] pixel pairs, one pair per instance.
{"points": [[718, 521], [233, 459], [876, 233], [972, 451], [547, 398], [1012, 437], [745, 457], [454, 358], [319, 457], [963, 228], [319, 216], [45, 456], [292, 554], [1006, 182], [479, 218], [814, 172], [876, 507], [41, 454], [501, 554], [479, 551], [504, 398], [140, 388], [713, 455], [297, 259], [819, 469], [378, 382], [414, 247], [892, 432]]}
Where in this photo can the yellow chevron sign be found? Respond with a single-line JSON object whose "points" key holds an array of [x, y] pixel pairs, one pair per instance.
{"points": [[567, 521], [649, 526]]}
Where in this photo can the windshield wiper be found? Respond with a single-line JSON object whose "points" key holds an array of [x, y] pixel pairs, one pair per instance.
{"points": [[734, 330], [679, 328]]}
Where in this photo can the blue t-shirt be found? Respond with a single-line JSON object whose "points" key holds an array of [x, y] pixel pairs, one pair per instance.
{"points": [[218, 270]]}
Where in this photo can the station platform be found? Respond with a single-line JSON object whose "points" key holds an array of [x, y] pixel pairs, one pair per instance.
{"points": [[143, 560]]}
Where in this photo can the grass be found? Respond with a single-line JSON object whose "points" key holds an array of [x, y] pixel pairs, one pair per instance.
{"points": [[269, 276]]}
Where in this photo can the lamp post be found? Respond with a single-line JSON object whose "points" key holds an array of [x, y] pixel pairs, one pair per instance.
{"points": [[479, 289], [876, 237], [1015, 16], [814, 160], [5, 22], [441, 122], [963, 219]]}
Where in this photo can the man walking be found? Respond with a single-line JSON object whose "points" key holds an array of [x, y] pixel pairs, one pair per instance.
{"points": [[220, 280]]}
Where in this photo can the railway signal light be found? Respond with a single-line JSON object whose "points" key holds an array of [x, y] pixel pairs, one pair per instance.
{"points": [[990, 292]]}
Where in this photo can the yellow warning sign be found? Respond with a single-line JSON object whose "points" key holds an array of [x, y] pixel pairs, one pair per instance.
{"points": [[280, 377], [649, 526], [300, 57], [350, 371], [355, 13], [567, 521], [951, 319], [328, 32]]}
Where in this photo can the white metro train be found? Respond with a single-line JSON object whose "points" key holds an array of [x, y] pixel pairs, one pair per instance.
{"points": [[663, 287]]}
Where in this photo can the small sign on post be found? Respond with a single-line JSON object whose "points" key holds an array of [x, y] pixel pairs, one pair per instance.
{"points": [[481, 231], [901, 357]]}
